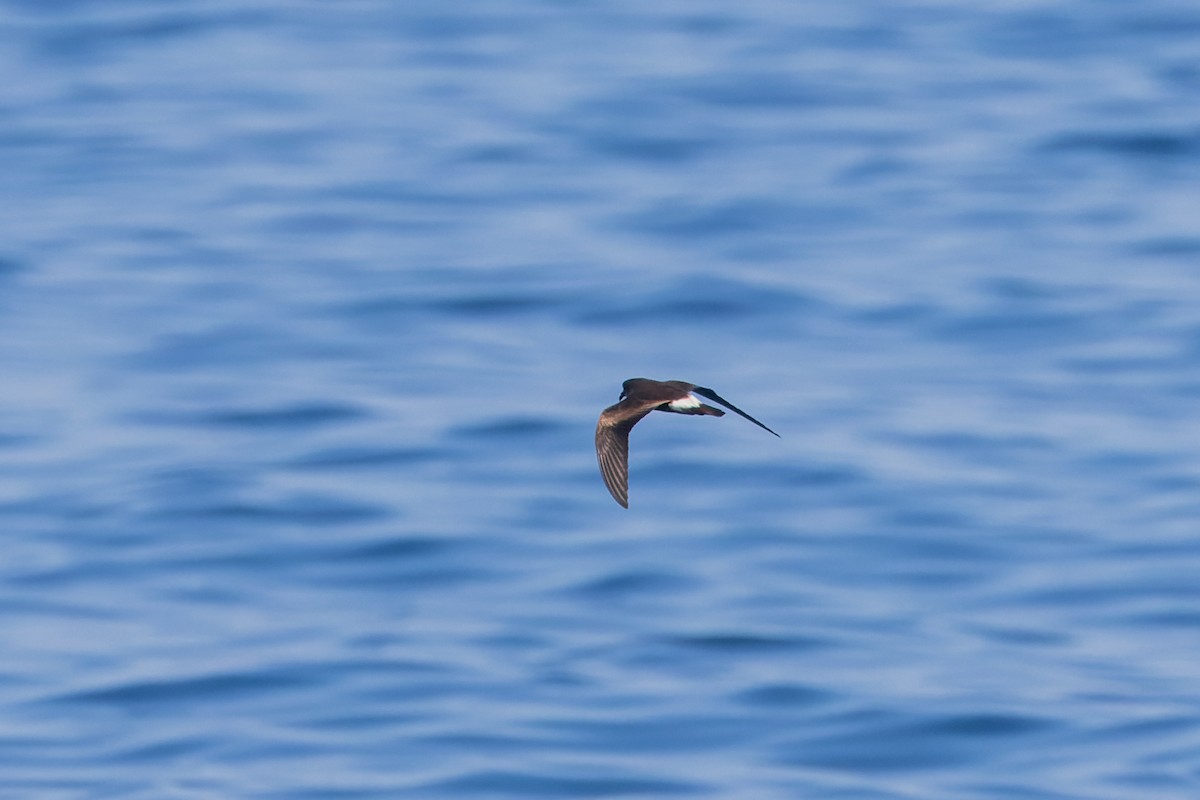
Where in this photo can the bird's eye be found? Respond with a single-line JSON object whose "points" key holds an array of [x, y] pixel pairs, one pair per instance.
{"points": [[622, 397]]}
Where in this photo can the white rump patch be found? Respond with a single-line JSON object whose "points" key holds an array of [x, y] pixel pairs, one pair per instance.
{"points": [[685, 402]]}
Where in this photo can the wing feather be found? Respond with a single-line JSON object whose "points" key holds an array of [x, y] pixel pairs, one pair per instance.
{"points": [[716, 398], [612, 448]]}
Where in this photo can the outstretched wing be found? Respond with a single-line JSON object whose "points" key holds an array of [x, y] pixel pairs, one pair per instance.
{"points": [[716, 398], [612, 450]]}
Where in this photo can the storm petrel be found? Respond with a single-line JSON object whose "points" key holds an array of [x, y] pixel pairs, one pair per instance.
{"points": [[640, 396]]}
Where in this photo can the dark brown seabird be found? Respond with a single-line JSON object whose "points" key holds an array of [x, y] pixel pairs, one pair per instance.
{"points": [[640, 396]]}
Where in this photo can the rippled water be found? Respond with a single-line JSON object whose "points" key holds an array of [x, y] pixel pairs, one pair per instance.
{"points": [[307, 312]]}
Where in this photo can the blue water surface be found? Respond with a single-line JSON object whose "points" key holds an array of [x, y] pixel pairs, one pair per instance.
{"points": [[307, 311]]}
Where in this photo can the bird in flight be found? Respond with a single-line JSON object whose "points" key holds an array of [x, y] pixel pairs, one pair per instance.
{"points": [[640, 396]]}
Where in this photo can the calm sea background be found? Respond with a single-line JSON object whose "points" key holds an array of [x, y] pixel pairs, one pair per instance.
{"points": [[307, 311]]}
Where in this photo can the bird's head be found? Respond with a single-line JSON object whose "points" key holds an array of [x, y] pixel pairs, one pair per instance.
{"points": [[625, 387]]}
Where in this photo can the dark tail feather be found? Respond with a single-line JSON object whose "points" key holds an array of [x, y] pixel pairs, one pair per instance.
{"points": [[716, 398]]}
